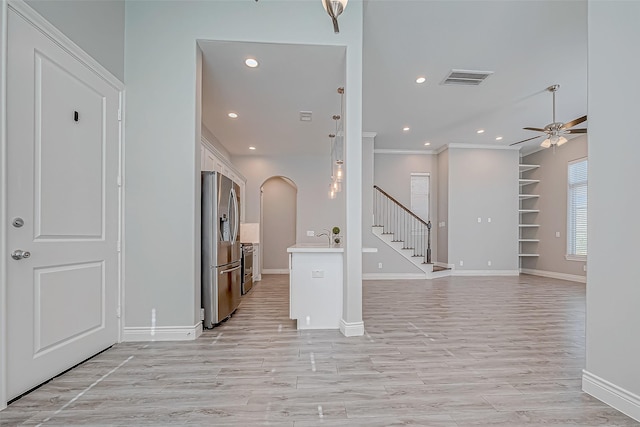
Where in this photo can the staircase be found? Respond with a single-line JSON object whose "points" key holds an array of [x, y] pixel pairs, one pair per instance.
{"points": [[404, 232]]}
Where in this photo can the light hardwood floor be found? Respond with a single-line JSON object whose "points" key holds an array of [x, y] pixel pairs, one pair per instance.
{"points": [[458, 351]]}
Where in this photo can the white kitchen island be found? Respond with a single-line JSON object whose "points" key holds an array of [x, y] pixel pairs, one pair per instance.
{"points": [[315, 285]]}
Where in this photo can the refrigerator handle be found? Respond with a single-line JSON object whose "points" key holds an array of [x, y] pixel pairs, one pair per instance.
{"points": [[236, 216], [230, 270]]}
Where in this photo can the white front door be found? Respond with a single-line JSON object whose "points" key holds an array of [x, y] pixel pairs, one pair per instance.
{"points": [[62, 201]]}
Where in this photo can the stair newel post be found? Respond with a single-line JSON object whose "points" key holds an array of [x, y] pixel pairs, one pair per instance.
{"points": [[429, 242]]}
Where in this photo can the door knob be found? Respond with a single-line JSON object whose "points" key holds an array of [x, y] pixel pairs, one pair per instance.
{"points": [[18, 254]]}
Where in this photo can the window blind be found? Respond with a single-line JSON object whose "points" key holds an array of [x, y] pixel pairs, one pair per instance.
{"points": [[577, 209]]}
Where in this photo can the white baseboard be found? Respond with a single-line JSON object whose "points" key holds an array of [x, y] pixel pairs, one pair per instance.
{"points": [[162, 333], [351, 329], [275, 271], [485, 273], [392, 276], [554, 275], [624, 401]]}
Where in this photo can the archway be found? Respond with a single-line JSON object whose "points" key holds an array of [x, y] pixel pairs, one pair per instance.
{"points": [[278, 212]]}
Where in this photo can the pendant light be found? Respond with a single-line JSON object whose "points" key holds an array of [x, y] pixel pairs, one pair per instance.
{"points": [[334, 8]]}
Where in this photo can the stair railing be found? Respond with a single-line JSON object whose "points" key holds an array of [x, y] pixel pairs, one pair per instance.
{"points": [[402, 224]]}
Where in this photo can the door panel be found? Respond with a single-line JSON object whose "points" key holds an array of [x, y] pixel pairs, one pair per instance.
{"points": [[63, 147], [69, 193]]}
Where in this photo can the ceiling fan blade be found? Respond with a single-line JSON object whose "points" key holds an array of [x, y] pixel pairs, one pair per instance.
{"points": [[536, 129], [525, 140], [572, 123], [576, 131]]}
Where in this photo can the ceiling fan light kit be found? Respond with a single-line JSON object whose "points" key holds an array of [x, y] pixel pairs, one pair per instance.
{"points": [[555, 131], [334, 8]]}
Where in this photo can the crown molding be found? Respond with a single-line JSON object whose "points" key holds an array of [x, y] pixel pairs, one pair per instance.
{"points": [[394, 151], [481, 147], [369, 134]]}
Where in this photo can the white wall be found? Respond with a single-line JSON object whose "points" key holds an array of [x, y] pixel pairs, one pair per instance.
{"points": [[552, 204], [315, 211], [613, 349], [278, 222], [162, 147], [96, 26], [483, 183], [443, 208]]}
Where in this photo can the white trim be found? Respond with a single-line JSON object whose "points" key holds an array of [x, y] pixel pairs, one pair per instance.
{"points": [[275, 271], [121, 220], [221, 157], [481, 147], [3, 204], [351, 329], [442, 148], [65, 43], [579, 258], [395, 151], [393, 276], [369, 134], [554, 275], [163, 333], [615, 396], [485, 273]]}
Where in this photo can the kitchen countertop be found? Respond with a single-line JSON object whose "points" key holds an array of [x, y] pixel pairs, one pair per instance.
{"points": [[320, 247]]}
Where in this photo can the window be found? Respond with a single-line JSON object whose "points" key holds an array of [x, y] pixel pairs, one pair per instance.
{"points": [[577, 210], [420, 195]]}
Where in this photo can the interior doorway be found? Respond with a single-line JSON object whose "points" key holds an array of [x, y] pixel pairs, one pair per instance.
{"points": [[278, 212]]}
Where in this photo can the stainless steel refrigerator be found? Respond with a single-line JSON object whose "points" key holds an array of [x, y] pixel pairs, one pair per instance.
{"points": [[221, 276]]}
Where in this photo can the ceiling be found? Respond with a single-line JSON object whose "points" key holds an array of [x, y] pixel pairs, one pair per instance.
{"points": [[528, 45]]}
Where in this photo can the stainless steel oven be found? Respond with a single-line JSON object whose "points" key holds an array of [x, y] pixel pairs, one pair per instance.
{"points": [[247, 267]]}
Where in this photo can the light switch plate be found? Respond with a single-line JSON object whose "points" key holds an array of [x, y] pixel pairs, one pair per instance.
{"points": [[311, 233], [317, 274]]}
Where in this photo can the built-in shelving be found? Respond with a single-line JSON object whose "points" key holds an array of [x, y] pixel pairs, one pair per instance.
{"points": [[528, 205], [524, 182], [525, 168]]}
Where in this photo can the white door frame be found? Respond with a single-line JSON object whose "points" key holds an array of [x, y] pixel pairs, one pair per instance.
{"points": [[70, 47]]}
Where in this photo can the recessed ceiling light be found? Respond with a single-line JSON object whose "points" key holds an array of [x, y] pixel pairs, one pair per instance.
{"points": [[480, 131], [498, 138], [252, 148], [406, 128], [427, 143], [251, 62], [233, 115], [421, 80]]}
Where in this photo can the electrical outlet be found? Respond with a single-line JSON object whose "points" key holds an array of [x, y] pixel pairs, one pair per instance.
{"points": [[489, 263], [557, 234], [317, 274], [488, 219], [584, 267], [479, 220], [379, 265], [311, 233], [202, 314], [461, 263]]}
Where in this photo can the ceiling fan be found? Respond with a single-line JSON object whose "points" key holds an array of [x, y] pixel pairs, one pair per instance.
{"points": [[555, 131]]}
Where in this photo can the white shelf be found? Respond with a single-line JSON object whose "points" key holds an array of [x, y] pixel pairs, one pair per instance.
{"points": [[524, 182], [526, 211], [528, 196], [528, 240], [528, 225], [522, 255], [524, 168]]}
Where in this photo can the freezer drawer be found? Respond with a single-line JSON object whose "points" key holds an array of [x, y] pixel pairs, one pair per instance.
{"points": [[221, 294]]}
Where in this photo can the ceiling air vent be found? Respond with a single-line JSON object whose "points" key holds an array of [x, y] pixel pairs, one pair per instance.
{"points": [[305, 116], [466, 77]]}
